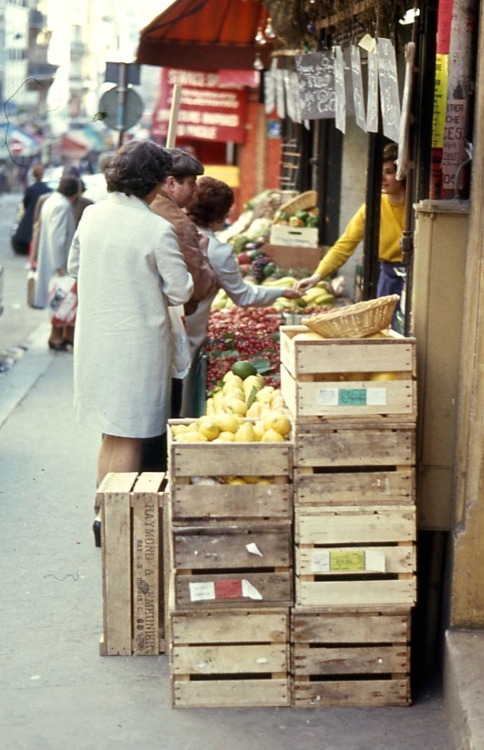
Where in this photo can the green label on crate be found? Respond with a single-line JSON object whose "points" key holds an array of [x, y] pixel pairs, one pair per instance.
{"points": [[352, 397], [344, 561]]}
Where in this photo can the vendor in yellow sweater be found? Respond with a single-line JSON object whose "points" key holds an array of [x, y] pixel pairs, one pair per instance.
{"points": [[392, 219]]}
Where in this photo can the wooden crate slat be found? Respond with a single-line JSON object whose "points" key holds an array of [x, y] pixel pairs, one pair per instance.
{"points": [[231, 501], [229, 547], [146, 578], [398, 560], [359, 627], [339, 525], [116, 556], [352, 693], [236, 459], [243, 626], [366, 398], [224, 590], [302, 357], [230, 693], [230, 659], [354, 488], [354, 446], [350, 660], [373, 593]]}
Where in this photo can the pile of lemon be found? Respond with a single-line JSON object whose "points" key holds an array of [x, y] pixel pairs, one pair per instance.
{"points": [[242, 410]]}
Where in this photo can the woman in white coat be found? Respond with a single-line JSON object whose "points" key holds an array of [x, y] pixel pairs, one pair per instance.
{"points": [[209, 210], [130, 270]]}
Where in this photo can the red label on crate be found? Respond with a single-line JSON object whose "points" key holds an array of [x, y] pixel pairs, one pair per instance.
{"points": [[231, 589]]}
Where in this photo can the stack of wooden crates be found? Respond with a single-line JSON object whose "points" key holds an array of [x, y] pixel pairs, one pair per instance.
{"points": [[231, 587], [353, 403]]}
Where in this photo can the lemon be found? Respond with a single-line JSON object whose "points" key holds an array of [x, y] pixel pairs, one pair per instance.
{"points": [[258, 429], [208, 428], [227, 437], [235, 480], [235, 383], [227, 422], [278, 422], [265, 480], [271, 436], [309, 336], [384, 376], [177, 429], [245, 433], [251, 480], [253, 411], [265, 393], [191, 437], [236, 406]]}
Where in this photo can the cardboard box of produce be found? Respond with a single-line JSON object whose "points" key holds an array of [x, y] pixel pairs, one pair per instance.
{"points": [[294, 257], [282, 234]]}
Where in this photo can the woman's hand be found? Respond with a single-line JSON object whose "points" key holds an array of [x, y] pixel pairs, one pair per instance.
{"points": [[291, 293], [304, 284]]}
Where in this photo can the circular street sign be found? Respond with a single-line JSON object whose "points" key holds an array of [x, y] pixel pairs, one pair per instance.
{"points": [[108, 109]]}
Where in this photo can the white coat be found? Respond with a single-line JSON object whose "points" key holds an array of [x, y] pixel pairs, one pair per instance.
{"points": [[129, 269], [57, 227]]}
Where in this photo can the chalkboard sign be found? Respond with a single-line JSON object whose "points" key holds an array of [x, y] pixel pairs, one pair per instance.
{"points": [[339, 84], [315, 76], [358, 98], [389, 94], [280, 98], [372, 105]]}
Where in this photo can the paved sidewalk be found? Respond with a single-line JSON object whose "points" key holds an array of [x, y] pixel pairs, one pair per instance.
{"points": [[56, 692]]}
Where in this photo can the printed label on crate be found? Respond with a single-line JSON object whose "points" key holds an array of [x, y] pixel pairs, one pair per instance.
{"points": [[347, 561], [227, 589], [352, 397]]}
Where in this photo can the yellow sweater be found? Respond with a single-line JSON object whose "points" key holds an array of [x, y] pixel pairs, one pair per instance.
{"points": [[392, 221]]}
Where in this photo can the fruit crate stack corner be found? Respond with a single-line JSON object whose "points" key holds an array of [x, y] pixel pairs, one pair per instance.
{"points": [[353, 405], [232, 578]]}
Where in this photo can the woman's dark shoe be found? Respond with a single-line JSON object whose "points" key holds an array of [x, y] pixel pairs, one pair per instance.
{"points": [[58, 346], [96, 527]]}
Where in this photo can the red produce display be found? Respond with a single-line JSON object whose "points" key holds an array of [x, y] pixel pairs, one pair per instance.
{"points": [[250, 333]]}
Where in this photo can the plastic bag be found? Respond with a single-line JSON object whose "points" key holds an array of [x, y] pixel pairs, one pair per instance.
{"points": [[180, 344], [63, 300]]}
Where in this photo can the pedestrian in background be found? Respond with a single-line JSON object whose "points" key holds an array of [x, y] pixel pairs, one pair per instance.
{"points": [[129, 270], [22, 237], [57, 227]]}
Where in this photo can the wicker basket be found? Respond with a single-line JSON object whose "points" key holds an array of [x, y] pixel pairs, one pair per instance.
{"points": [[354, 321], [309, 199]]}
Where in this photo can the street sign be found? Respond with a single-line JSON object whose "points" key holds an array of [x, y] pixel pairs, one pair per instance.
{"points": [[120, 115]]}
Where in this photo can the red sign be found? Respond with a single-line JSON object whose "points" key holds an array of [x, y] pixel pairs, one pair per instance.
{"points": [[208, 111]]}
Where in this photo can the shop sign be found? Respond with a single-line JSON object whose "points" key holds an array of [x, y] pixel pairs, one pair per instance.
{"points": [[208, 111]]}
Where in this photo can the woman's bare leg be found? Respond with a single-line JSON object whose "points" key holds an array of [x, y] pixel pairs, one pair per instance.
{"points": [[118, 454]]}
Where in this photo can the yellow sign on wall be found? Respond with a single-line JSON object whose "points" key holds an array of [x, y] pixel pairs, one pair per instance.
{"points": [[225, 172]]}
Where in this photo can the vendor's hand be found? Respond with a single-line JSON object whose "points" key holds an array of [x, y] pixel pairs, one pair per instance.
{"points": [[304, 284], [291, 293]]}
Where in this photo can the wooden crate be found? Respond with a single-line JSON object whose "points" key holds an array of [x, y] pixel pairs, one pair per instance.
{"points": [[131, 507], [356, 556], [224, 566], [322, 488], [350, 658], [351, 445], [193, 500], [311, 396], [356, 358], [230, 658]]}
